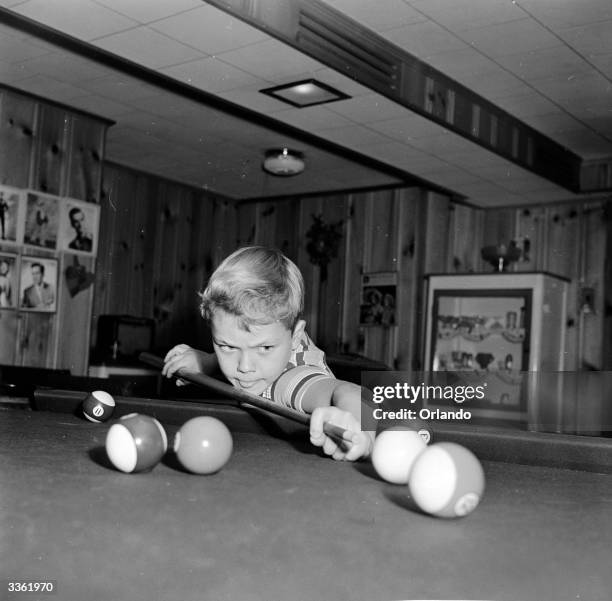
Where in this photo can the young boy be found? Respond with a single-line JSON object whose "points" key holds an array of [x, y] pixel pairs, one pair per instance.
{"points": [[253, 303]]}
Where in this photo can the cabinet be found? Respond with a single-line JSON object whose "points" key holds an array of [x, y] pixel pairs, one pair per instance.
{"points": [[495, 331]]}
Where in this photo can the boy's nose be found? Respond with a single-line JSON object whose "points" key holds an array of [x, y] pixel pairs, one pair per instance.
{"points": [[245, 363]]}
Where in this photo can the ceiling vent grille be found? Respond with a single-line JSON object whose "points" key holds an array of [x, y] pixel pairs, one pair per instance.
{"points": [[346, 47]]}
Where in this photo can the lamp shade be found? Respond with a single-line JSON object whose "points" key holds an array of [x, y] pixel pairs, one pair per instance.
{"points": [[283, 162]]}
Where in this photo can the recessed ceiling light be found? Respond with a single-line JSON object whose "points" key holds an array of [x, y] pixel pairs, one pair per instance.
{"points": [[307, 92]]}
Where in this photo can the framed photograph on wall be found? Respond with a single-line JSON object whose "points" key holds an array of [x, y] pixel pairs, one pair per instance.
{"points": [[38, 284], [11, 215], [78, 231], [378, 299], [41, 220], [8, 281]]}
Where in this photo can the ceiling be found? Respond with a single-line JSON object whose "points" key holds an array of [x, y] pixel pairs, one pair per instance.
{"points": [[182, 81]]}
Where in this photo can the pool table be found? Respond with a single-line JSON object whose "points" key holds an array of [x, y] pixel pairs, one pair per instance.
{"points": [[283, 522]]}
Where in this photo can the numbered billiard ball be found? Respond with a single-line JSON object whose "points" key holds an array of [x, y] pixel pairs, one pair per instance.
{"points": [[136, 443], [394, 453], [446, 480], [203, 445], [98, 406]]}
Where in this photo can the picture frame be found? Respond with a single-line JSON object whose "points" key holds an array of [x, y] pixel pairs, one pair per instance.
{"points": [[41, 221], [9, 268], [378, 299], [38, 284], [78, 230], [12, 210]]}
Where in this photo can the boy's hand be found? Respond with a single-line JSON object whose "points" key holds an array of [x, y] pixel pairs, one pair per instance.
{"points": [[360, 448], [183, 357]]}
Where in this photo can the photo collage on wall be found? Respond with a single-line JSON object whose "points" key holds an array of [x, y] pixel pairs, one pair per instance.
{"points": [[34, 221]]}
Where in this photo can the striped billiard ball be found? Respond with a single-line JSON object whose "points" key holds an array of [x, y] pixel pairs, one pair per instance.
{"points": [[98, 406], [136, 443]]}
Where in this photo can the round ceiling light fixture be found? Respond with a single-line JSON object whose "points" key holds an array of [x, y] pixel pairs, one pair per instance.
{"points": [[283, 162]]}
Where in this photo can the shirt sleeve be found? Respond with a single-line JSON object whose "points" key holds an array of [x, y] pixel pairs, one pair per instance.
{"points": [[306, 366]]}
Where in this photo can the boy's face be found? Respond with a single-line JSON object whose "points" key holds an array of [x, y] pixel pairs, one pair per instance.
{"points": [[252, 360]]}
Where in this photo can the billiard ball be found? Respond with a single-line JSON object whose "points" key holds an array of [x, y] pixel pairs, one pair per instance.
{"points": [[98, 406], [423, 428], [394, 453], [203, 445], [136, 443], [446, 480]]}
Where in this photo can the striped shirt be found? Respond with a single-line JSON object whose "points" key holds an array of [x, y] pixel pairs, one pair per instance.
{"points": [[306, 366]]}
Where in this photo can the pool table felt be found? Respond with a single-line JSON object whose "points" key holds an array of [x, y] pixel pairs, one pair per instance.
{"points": [[282, 522]]}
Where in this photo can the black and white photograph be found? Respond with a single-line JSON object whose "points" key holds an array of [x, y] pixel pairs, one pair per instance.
{"points": [[38, 284], [11, 211], [306, 299], [8, 281], [41, 221], [78, 231]]}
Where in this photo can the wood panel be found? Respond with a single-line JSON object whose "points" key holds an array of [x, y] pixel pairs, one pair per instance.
{"points": [[410, 280], [50, 161], [35, 346], [16, 138], [74, 310], [9, 320], [86, 150], [465, 239]]}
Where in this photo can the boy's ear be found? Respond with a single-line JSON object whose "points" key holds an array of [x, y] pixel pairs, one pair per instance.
{"points": [[298, 332]]}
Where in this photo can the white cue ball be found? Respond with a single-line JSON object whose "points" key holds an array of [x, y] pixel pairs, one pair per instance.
{"points": [[98, 406], [394, 453], [447, 480]]}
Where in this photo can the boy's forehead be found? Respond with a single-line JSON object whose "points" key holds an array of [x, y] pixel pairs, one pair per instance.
{"points": [[224, 324]]}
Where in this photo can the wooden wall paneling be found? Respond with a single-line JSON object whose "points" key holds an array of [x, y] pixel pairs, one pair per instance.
{"points": [[381, 255], [225, 230], [352, 334], [201, 267], [607, 289], [74, 310], [246, 224], [167, 264], [9, 320], [17, 115], [266, 223], [50, 162], [437, 224], [410, 280], [563, 232], [86, 151], [35, 344], [310, 272], [287, 227], [184, 285], [592, 277], [465, 239], [530, 229], [331, 288]]}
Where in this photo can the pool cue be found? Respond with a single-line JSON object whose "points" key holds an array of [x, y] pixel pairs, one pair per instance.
{"points": [[244, 397]]}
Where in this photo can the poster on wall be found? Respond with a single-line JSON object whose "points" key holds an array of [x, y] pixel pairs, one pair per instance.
{"points": [[78, 231], [41, 221], [8, 281], [378, 299], [38, 284], [11, 212]]}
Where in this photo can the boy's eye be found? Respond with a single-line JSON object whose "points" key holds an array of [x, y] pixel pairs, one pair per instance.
{"points": [[266, 348], [225, 347]]}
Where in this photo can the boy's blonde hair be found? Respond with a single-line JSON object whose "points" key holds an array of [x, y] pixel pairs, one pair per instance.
{"points": [[257, 284]]}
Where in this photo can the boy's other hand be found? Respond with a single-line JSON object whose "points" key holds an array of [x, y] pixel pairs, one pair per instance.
{"points": [[182, 357]]}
